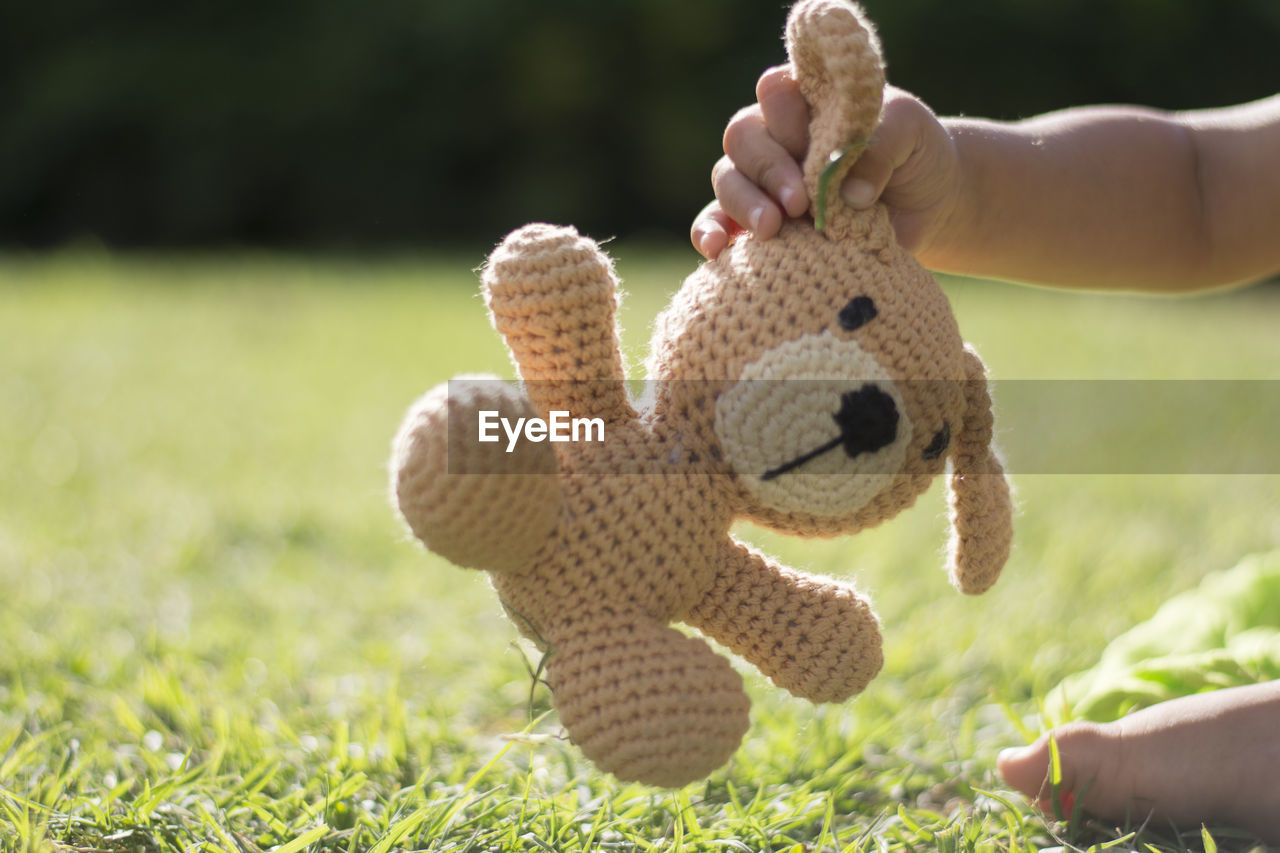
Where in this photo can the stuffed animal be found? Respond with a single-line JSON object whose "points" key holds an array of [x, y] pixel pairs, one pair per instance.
{"points": [[814, 383]]}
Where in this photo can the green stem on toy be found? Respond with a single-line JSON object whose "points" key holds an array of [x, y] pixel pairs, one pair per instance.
{"points": [[824, 180], [535, 675]]}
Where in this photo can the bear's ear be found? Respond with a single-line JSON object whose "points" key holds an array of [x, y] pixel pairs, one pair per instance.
{"points": [[838, 65], [981, 507]]}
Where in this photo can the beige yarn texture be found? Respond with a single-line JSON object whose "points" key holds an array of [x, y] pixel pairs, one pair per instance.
{"points": [[766, 356]]}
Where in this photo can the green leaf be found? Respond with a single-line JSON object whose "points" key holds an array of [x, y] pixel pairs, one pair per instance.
{"points": [[824, 182]]}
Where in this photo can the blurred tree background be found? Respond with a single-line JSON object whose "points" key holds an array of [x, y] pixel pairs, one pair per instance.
{"points": [[421, 123]]}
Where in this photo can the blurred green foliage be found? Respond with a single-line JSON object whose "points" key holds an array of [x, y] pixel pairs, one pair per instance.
{"points": [[420, 122]]}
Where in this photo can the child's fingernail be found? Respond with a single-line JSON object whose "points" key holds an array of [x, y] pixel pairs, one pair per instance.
{"points": [[756, 216], [708, 242], [858, 193], [1012, 753], [787, 195]]}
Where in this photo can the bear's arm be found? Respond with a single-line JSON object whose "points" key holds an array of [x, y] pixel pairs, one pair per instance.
{"points": [[553, 295], [814, 636]]}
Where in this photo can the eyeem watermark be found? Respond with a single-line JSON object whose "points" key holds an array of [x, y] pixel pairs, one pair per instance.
{"points": [[1043, 426], [557, 427]]}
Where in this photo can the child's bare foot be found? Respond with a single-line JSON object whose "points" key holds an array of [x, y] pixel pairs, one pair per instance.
{"points": [[1211, 757]]}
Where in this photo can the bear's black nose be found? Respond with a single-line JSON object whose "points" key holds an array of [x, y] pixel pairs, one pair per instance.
{"points": [[868, 420]]}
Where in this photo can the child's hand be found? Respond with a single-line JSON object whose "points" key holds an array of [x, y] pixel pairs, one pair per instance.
{"points": [[911, 165]]}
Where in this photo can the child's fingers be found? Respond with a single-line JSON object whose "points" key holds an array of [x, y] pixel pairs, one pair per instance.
{"points": [[897, 139], [712, 229], [1087, 754], [784, 109], [744, 201], [762, 160], [867, 179]]}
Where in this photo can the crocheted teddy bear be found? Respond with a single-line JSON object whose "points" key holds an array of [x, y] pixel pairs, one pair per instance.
{"points": [[814, 383]]}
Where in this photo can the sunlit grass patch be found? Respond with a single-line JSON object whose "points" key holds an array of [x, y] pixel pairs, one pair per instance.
{"points": [[215, 635]]}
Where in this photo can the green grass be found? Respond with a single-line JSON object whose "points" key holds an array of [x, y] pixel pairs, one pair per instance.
{"points": [[214, 635]]}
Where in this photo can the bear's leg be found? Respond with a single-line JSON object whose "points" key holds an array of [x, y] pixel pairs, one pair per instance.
{"points": [[645, 702]]}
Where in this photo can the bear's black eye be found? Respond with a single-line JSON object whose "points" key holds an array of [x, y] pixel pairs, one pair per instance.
{"points": [[860, 311]]}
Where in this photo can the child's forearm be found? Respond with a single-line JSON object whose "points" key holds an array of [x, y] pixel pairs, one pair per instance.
{"points": [[1117, 198]]}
